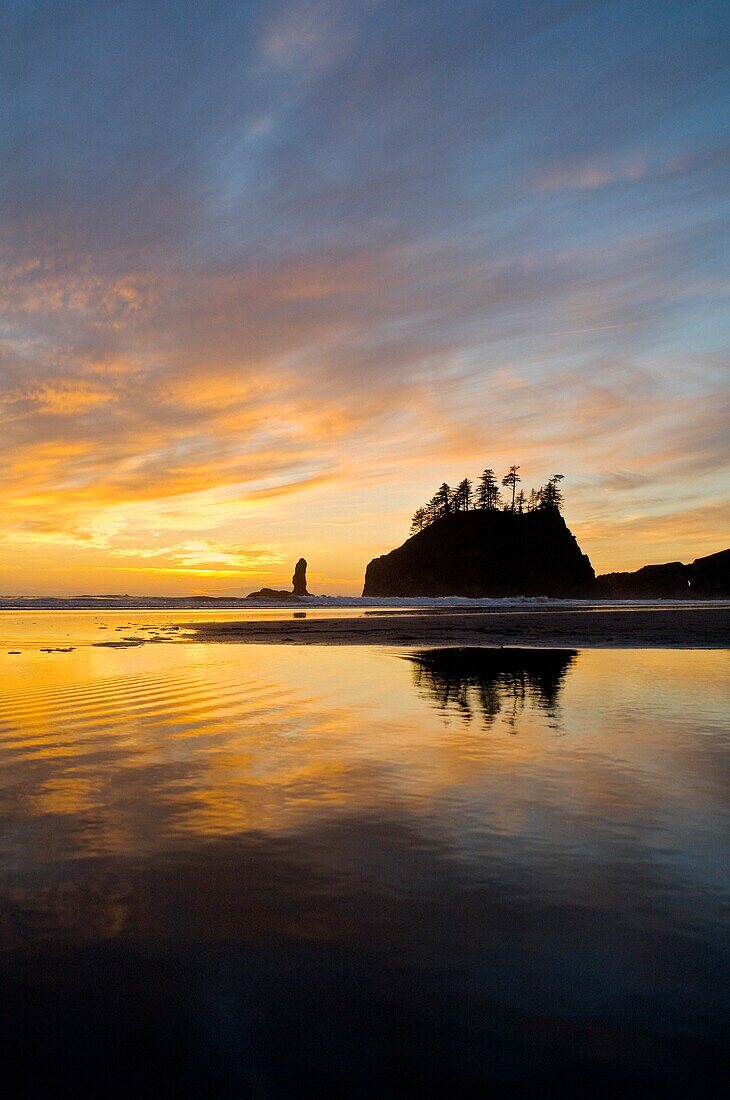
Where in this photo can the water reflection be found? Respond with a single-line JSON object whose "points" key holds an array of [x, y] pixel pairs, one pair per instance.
{"points": [[488, 681], [235, 869]]}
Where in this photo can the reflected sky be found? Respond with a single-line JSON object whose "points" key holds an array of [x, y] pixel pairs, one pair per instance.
{"points": [[516, 858]]}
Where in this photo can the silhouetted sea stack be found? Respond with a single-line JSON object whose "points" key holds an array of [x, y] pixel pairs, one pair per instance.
{"points": [[486, 553], [299, 580], [299, 587], [705, 579], [280, 595]]}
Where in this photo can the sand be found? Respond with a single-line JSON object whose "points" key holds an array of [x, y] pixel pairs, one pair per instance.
{"points": [[699, 626]]}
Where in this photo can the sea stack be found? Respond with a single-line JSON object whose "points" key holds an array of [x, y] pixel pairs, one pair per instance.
{"points": [[299, 580], [486, 553]]}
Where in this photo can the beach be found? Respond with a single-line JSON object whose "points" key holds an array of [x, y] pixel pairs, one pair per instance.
{"points": [[692, 626]]}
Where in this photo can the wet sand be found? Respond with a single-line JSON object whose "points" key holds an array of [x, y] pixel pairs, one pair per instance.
{"points": [[698, 627]]}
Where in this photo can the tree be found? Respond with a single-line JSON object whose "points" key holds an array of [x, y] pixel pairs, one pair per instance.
{"points": [[443, 499], [487, 497], [419, 521], [510, 481], [551, 495], [462, 495], [488, 492], [432, 509]]}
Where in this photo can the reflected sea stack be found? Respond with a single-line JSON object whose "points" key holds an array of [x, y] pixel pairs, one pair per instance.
{"points": [[482, 681]]}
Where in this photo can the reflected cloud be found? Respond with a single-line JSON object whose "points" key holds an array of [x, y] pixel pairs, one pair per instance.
{"points": [[215, 854]]}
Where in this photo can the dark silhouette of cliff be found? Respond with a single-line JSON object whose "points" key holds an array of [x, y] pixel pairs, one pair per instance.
{"points": [[485, 553], [704, 579], [710, 576], [486, 681]]}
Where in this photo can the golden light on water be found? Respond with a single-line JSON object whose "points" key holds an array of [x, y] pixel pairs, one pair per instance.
{"points": [[213, 740]]}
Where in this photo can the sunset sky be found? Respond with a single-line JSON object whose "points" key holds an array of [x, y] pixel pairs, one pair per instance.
{"points": [[272, 271]]}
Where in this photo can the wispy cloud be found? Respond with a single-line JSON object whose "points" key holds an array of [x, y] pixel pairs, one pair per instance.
{"points": [[589, 177], [268, 270]]}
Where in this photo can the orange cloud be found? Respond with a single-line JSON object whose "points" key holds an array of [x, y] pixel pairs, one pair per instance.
{"points": [[308, 404]]}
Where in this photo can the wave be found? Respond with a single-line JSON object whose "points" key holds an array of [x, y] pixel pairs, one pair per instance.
{"points": [[219, 603]]}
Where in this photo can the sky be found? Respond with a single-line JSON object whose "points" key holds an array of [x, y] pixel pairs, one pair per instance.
{"points": [[270, 272]]}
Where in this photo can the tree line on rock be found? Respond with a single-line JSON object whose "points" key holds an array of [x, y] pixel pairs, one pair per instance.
{"points": [[487, 496]]}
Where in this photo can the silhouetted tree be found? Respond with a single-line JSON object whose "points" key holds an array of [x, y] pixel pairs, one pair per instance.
{"points": [[488, 491], [462, 495], [419, 521], [510, 481], [443, 499], [432, 509], [551, 495], [487, 496]]}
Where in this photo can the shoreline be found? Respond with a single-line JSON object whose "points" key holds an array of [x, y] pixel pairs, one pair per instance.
{"points": [[638, 628], [365, 604]]}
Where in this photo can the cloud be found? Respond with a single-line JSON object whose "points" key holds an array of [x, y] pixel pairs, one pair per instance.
{"points": [[207, 554], [309, 35], [589, 177], [280, 264], [622, 543], [594, 174]]}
